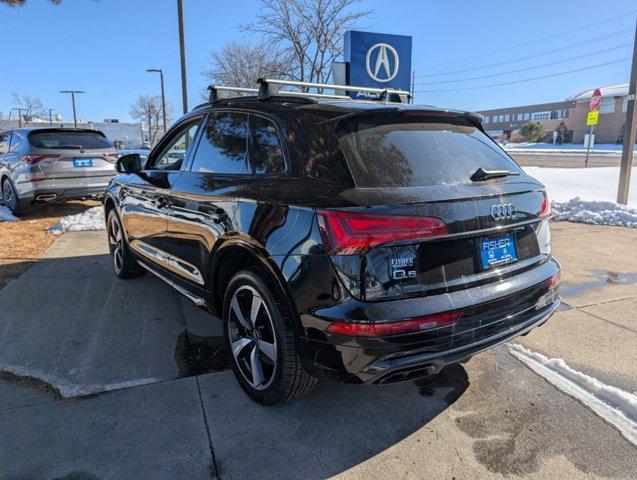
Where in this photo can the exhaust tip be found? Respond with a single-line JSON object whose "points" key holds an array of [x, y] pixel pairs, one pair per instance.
{"points": [[46, 197]]}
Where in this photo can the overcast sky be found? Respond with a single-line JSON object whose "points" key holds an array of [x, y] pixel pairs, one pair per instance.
{"points": [[105, 46]]}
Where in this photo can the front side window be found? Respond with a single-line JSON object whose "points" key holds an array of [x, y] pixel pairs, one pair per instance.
{"points": [[173, 156], [223, 147], [398, 150], [267, 153]]}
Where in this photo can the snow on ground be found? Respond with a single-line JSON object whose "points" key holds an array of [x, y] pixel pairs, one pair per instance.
{"points": [[588, 195], [91, 219], [566, 147], [596, 213], [6, 215], [616, 406]]}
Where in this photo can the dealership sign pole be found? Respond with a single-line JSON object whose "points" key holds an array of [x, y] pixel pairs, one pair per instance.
{"points": [[630, 133], [591, 119]]}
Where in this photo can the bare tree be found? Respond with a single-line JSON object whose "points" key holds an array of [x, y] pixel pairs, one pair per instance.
{"points": [[31, 107], [240, 64], [310, 30], [147, 109]]}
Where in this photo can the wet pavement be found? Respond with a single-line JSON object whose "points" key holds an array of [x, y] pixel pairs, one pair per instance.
{"points": [[102, 378]]}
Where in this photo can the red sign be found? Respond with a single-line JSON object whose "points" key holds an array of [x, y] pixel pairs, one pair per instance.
{"points": [[596, 99]]}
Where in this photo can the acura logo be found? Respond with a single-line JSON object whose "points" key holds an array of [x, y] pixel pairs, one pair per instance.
{"points": [[386, 62], [502, 211]]}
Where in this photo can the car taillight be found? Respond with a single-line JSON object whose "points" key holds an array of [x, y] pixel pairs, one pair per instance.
{"points": [[400, 327], [554, 281], [545, 209], [33, 159], [113, 155], [348, 233]]}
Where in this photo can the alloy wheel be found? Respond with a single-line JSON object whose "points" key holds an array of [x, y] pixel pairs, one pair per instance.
{"points": [[252, 337], [116, 242], [8, 195]]}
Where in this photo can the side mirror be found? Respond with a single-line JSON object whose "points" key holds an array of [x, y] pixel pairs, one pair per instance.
{"points": [[131, 163]]}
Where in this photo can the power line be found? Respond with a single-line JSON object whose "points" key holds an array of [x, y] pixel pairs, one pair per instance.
{"points": [[473, 57], [538, 54], [588, 54], [527, 79]]}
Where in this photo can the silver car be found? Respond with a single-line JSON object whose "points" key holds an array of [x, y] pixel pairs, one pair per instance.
{"points": [[49, 164]]}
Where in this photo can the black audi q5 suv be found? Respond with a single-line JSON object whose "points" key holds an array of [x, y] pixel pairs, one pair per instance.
{"points": [[367, 241]]}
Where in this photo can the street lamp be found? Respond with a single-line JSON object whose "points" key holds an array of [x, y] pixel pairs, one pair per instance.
{"points": [[73, 92], [163, 97], [51, 116]]}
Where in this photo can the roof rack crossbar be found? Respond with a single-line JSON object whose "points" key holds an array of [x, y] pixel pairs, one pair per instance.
{"points": [[217, 92], [269, 87]]}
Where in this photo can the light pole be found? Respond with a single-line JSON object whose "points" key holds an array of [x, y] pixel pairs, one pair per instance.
{"points": [[182, 54], [73, 92], [51, 116], [163, 96]]}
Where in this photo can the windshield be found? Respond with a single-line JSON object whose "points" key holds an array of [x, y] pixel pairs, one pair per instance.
{"points": [[405, 150], [70, 139]]}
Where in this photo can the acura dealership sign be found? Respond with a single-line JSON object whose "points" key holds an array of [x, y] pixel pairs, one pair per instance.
{"points": [[377, 60]]}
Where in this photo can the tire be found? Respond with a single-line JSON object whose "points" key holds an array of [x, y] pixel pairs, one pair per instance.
{"points": [[123, 262], [263, 342], [11, 200]]}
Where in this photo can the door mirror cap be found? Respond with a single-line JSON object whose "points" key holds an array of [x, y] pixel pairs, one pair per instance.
{"points": [[131, 163]]}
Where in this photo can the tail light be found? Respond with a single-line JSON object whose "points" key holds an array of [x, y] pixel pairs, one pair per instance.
{"points": [[33, 159], [401, 327], [113, 155], [545, 209], [347, 233], [554, 281]]}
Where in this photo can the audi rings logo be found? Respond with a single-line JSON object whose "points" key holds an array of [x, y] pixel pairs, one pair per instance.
{"points": [[502, 211]]}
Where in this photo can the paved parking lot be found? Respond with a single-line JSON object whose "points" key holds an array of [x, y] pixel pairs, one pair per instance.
{"points": [[103, 378]]}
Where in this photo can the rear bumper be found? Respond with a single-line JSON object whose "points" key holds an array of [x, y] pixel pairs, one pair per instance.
{"points": [[63, 189], [491, 314], [392, 370]]}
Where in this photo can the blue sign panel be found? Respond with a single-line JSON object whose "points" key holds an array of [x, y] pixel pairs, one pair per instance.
{"points": [[378, 60]]}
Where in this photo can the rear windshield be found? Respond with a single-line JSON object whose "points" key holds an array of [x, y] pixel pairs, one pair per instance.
{"points": [[84, 140], [404, 150]]}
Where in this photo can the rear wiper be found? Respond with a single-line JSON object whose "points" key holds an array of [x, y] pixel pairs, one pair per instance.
{"points": [[480, 174], [74, 147]]}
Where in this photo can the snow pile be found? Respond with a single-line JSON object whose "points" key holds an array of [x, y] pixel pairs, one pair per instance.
{"points": [[6, 215], [600, 184], [595, 212], [91, 219], [617, 407]]}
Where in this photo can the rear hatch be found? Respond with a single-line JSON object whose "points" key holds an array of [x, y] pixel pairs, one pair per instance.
{"points": [[440, 207], [71, 153]]}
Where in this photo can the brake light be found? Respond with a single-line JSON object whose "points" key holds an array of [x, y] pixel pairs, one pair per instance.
{"points": [[401, 327], [554, 281], [545, 209], [33, 159], [347, 233]]}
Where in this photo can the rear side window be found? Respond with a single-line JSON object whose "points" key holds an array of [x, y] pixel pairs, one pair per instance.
{"points": [[267, 153], [405, 150], [4, 142], [223, 147], [69, 139]]}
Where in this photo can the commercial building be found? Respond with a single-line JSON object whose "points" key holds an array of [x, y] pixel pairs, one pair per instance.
{"points": [[502, 122]]}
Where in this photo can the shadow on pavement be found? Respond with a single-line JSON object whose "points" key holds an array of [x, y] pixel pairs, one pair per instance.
{"points": [[335, 427]]}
